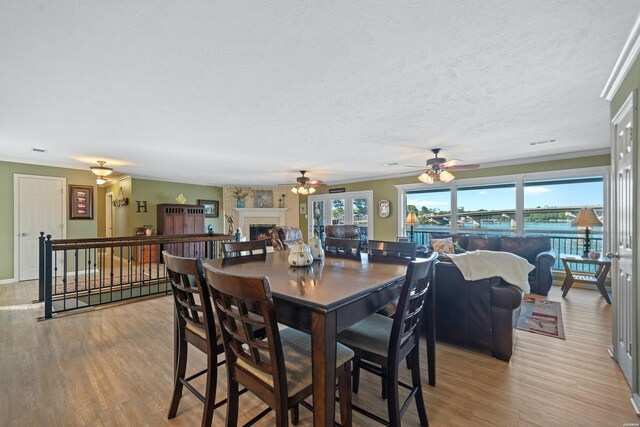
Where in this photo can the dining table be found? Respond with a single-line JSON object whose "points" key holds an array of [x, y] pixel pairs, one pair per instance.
{"points": [[322, 299]]}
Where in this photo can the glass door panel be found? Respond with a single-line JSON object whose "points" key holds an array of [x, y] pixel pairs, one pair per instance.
{"points": [[360, 215], [317, 219], [337, 211]]}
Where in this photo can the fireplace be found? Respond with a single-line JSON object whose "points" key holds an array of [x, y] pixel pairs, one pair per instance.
{"points": [[260, 231]]}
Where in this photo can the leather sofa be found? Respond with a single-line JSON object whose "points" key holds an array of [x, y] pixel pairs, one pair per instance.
{"points": [[482, 313], [535, 249], [283, 237], [342, 231]]}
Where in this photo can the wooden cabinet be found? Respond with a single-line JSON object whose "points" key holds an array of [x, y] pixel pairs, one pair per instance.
{"points": [[146, 254], [180, 220]]}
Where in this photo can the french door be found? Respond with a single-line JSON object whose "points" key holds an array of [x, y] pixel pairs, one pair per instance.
{"points": [[623, 236], [341, 208]]}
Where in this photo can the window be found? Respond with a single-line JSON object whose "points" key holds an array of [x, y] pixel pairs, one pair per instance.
{"points": [[432, 207], [490, 208]]}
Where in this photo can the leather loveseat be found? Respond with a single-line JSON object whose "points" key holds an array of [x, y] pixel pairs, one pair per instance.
{"points": [[535, 249], [480, 313]]}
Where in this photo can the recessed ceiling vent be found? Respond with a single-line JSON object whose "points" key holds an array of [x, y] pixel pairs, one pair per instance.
{"points": [[544, 141], [38, 150]]}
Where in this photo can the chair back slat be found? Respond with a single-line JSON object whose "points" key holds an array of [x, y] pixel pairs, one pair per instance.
{"points": [[190, 294], [338, 246], [242, 302], [397, 249], [240, 249], [411, 302]]}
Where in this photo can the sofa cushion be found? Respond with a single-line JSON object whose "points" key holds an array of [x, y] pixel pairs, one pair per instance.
{"points": [[461, 239], [342, 231], [486, 243], [526, 247]]}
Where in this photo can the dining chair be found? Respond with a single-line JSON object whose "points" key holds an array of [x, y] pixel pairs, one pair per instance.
{"points": [[340, 246], [276, 368], [380, 343], [380, 248], [195, 325], [403, 253], [239, 249]]}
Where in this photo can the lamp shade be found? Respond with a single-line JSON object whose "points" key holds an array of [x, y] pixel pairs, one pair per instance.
{"points": [[101, 170], [411, 219], [587, 218]]}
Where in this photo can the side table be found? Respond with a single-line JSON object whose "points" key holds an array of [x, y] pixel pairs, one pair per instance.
{"points": [[603, 263]]}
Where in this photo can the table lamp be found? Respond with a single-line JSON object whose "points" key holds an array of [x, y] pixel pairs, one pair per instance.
{"points": [[411, 220], [586, 218]]}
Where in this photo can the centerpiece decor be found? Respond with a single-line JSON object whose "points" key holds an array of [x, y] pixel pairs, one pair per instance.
{"points": [[239, 193], [316, 247], [300, 255]]}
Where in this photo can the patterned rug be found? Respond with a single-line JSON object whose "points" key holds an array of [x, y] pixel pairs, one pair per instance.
{"points": [[541, 316]]}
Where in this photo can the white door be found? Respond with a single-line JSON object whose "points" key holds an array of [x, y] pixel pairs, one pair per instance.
{"points": [[39, 206], [343, 208], [108, 210], [624, 189]]}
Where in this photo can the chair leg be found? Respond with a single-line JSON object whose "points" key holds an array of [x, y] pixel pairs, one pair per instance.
{"points": [[431, 336], [180, 369], [393, 402], [344, 392], [232, 401], [295, 414], [356, 374], [417, 383], [385, 382], [210, 391]]}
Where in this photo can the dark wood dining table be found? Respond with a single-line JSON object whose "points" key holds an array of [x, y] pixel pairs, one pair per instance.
{"points": [[322, 299]]}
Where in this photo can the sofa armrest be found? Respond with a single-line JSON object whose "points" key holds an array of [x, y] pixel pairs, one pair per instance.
{"points": [[505, 310], [543, 277], [506, 296]]}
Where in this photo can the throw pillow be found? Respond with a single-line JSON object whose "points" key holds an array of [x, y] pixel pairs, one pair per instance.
{"points": [[443, 246], [458, 249]]}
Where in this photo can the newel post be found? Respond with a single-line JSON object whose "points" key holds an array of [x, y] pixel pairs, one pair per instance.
{"points": [[41, 267], [48, 278]]}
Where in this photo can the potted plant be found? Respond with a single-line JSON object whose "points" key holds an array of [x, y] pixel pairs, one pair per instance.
{"points": [[148, 229], [239, 193]]}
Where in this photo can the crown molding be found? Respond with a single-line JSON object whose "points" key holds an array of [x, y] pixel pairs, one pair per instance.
{"points": [[624, 62]]}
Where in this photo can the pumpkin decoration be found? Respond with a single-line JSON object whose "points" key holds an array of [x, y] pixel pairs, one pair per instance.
{"points": [[300, 255], [316, 248]]}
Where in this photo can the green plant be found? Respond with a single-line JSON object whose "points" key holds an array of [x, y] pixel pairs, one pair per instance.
{"points": [[148, 226]]}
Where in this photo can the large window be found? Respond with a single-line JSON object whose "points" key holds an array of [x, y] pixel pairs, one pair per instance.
{"points": [[540, 203]]}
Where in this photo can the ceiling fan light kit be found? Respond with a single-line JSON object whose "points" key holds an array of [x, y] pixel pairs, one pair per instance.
{"points": [[436, 170], [305, 186]]}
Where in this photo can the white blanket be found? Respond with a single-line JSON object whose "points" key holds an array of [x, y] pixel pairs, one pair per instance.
{"points": [[476, 265]]}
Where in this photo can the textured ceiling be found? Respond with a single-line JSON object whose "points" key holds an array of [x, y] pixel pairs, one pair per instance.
{"points": [[248, 92]]}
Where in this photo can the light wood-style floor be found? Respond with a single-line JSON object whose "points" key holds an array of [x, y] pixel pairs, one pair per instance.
{"points": [[113, 367]]}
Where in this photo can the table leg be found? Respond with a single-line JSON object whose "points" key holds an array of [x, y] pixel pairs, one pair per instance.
{"points": [[323, 352], [602, 275], [568, 279]]}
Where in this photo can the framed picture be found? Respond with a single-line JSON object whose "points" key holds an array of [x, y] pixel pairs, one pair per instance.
{"points": [[263, 199], [210, 208], [303, 208], [80, 202]]}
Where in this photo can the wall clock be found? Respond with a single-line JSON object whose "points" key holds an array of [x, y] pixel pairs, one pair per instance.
{"points": [[384, 208]]}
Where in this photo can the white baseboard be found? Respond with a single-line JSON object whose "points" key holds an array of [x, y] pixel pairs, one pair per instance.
{"points": [[7, 281], [635, 402]]}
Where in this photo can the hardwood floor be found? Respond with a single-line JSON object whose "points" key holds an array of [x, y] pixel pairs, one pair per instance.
{"points": [[113, 367]]}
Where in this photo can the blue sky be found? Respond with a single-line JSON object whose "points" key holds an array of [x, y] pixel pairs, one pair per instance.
{"points": [[576, 194]]}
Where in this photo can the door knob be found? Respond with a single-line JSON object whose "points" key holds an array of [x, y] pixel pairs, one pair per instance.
{"points": [[25, 234], [612, 255]]}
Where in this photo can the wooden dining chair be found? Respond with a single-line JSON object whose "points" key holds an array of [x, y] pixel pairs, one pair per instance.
{"points": [[250, 248], [195, 325], [381, 343], [381, 248], [276, 368], [339, 246], [403, 253]]}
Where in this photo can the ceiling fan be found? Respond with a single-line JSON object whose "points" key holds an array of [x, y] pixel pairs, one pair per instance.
{"points": [[438, 168], [304, 185]]}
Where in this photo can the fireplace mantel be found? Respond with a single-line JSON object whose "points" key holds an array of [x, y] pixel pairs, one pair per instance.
{"points": [[261, 213]]}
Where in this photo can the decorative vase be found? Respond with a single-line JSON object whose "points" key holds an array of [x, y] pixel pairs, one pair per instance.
{"points": [[239, 203], [300, 255], [148, 232], [316, 248]]}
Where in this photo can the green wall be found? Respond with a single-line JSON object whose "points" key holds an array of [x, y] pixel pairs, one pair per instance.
{"points": [[75, 228], [126, 219], [157, 192], [386, 228]]}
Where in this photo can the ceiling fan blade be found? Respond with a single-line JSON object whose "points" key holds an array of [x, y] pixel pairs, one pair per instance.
{"points": [[461, 167], [317, 184], [453, 162]]}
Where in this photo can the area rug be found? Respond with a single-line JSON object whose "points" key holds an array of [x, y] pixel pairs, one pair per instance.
{"points": [[541, 316]]}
